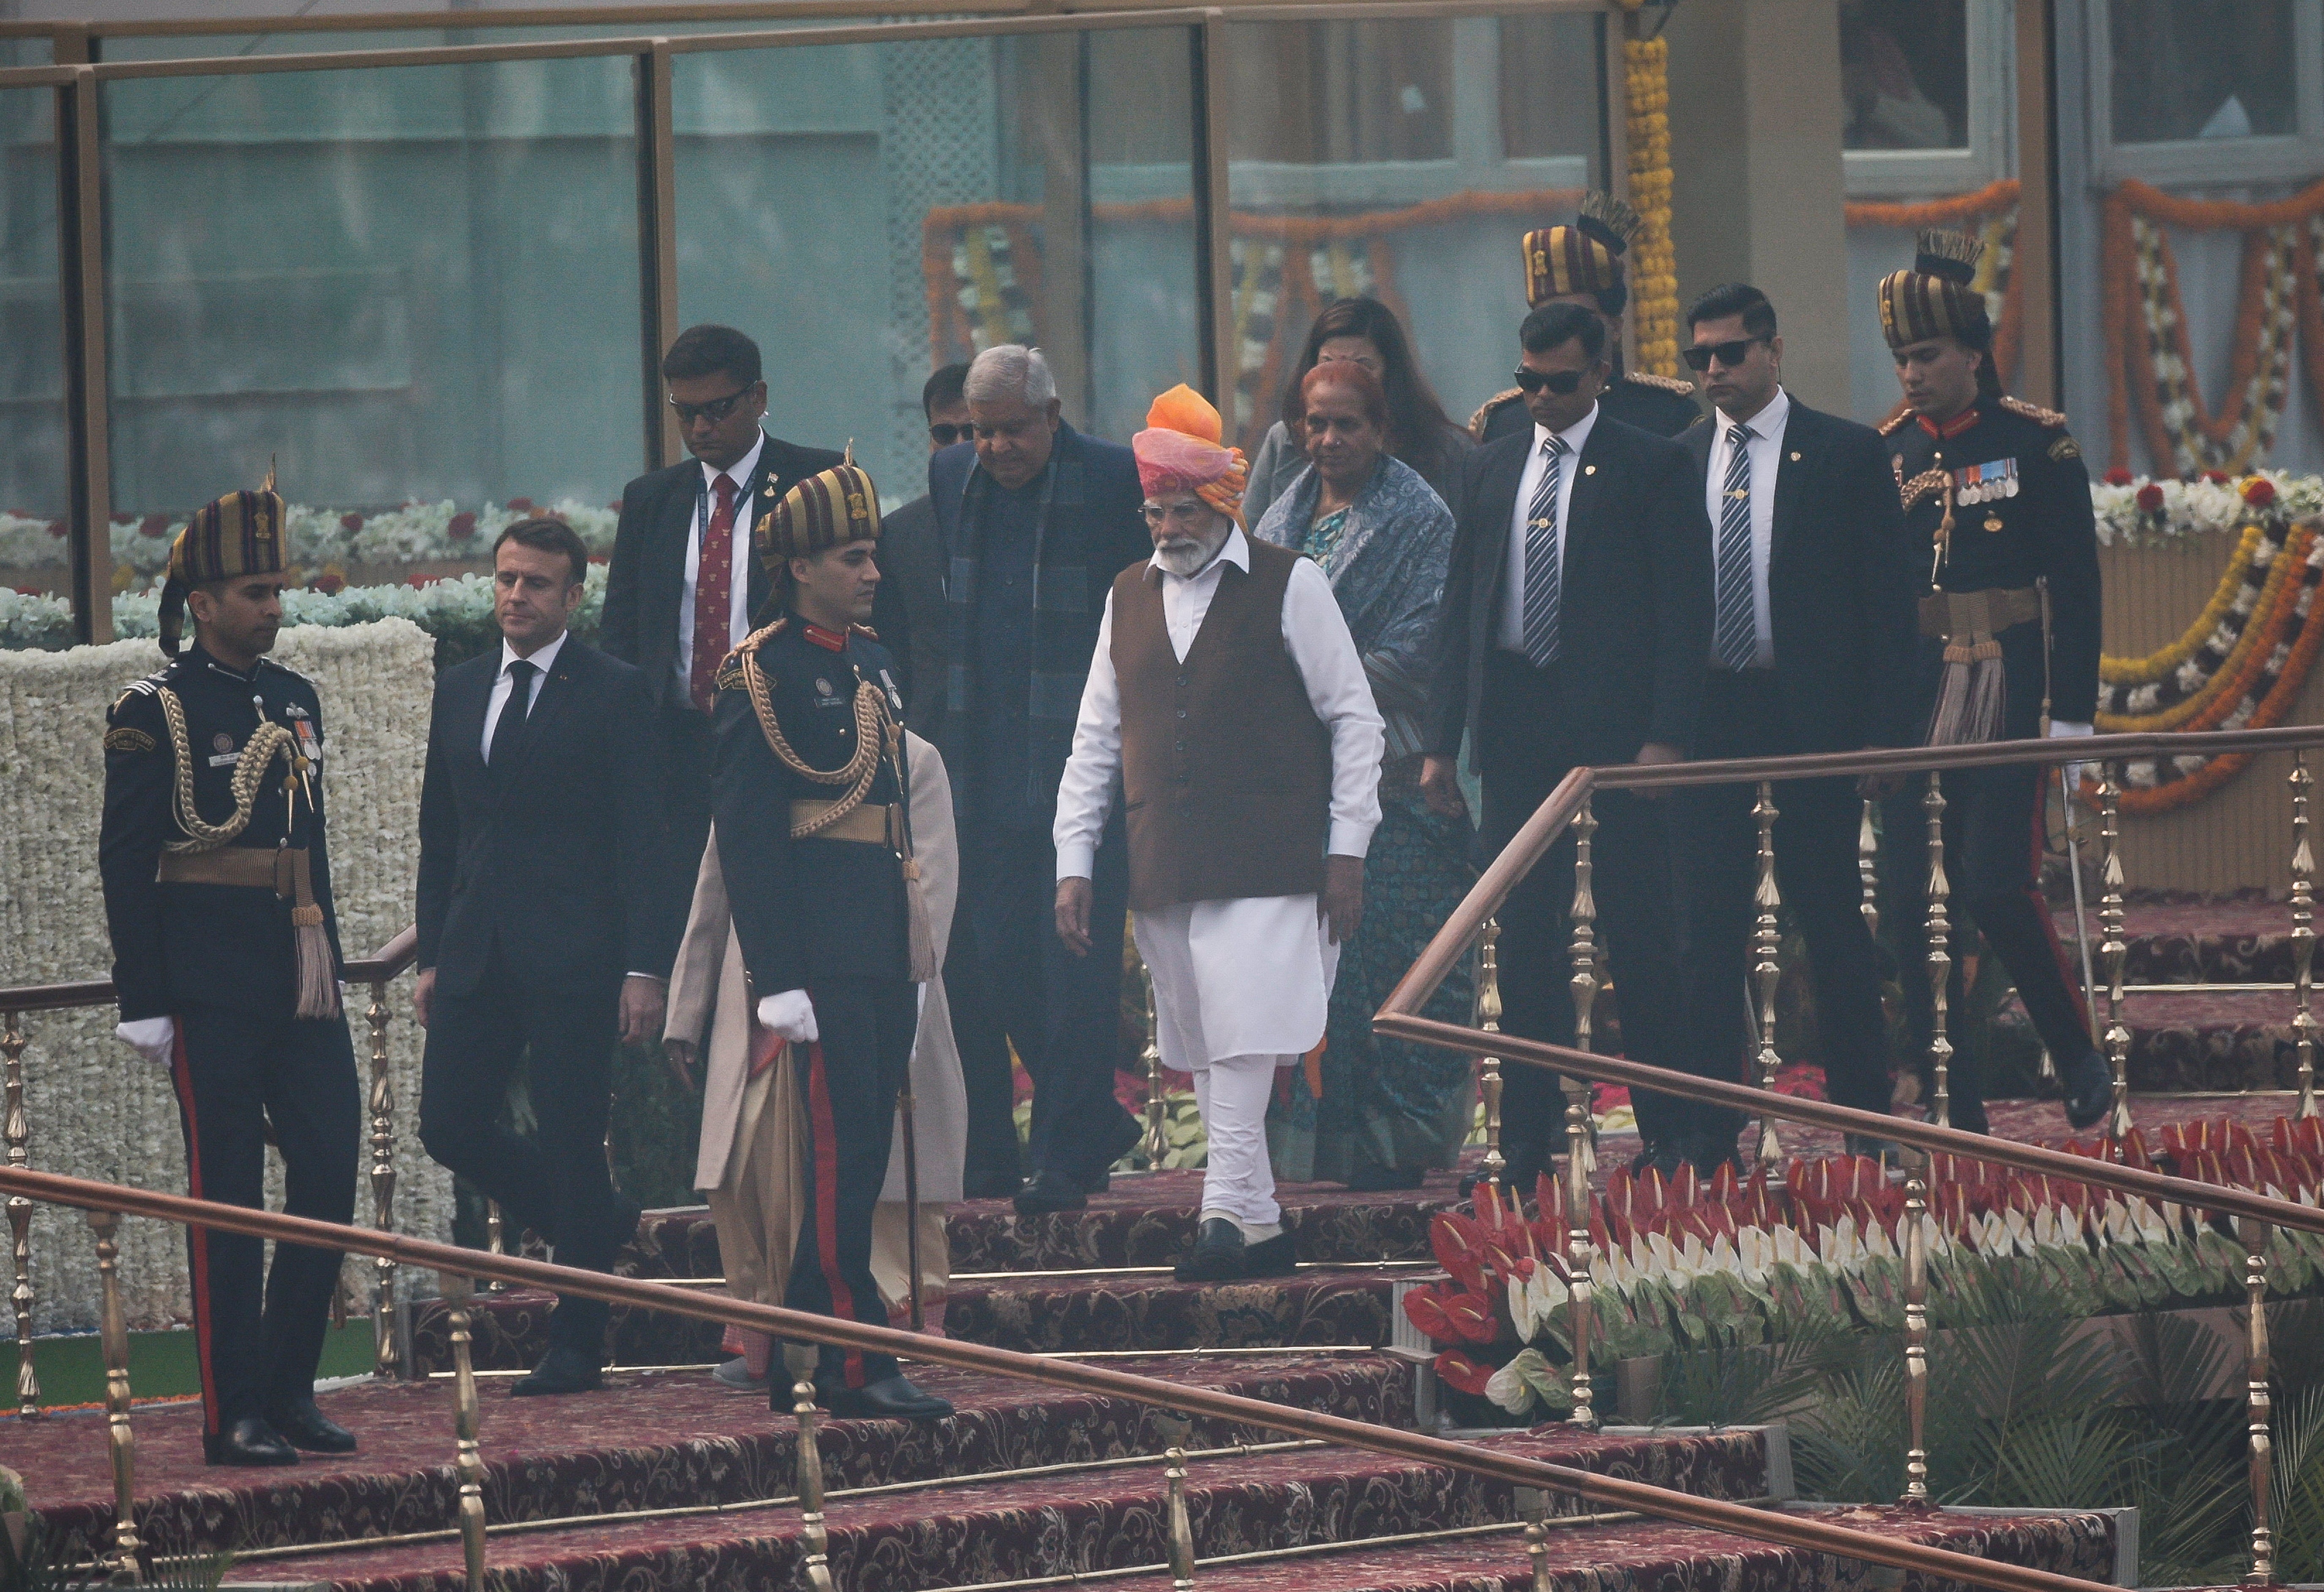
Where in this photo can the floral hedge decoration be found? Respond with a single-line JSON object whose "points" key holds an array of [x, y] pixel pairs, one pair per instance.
{"points": [[2141, 511], [1691, 1264]]}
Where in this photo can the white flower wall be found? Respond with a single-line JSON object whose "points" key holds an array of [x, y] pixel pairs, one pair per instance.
{"points": [[95, 1108]]}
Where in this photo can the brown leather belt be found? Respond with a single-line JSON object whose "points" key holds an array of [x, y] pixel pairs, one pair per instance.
{"points": [[867, 825], [282, 869], [1965, 614]]}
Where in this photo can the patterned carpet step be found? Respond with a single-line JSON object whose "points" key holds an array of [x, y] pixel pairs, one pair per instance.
{"points": [[645, 1442], [1055, 1524], [2184, 1043], [1646, 1553], [2240, 939]]}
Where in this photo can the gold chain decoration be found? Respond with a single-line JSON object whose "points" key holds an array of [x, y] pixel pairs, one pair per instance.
{"points": [[265, 742], [871, 738], [1653, 263]]}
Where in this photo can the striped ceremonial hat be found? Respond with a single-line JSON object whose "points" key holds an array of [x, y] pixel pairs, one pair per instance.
{"points": [[241, 534], [1934, 298], [1584, 258], [827, 509]]}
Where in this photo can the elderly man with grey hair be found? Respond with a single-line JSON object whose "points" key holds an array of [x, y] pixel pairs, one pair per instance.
{"points": [[1035, 520]]}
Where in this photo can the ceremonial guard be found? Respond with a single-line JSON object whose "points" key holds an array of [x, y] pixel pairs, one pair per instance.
{"points": [[217, 894], [1583, 264], [814, 839], [1996, 496]]}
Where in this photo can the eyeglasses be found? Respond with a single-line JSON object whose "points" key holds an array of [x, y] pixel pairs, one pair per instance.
{"points": [[715, 411], [1188, 514], [1562, 383], [1730, 354], [944, 436]]}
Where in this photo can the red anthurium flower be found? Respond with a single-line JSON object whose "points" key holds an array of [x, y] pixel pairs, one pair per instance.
{"points": [[1458, 1370]]}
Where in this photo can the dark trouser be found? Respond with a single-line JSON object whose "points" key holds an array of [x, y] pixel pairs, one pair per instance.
{"points": [[1631, 865], [1715, 842], [1994, 831], [1062, 1012], [684, 738], [554, 1182], [235, 1071], [848, 1083]]}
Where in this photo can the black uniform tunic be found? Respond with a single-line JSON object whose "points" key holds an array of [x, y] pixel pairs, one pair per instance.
{"points": [[219, 959], [827, 916]]}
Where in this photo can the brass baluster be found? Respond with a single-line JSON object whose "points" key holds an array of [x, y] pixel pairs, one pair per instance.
{"points": [[1182, 1531], [2115, 949], [810, 1488], [123, 1566], [1579, 1254], [468, 1461], [1916, 1336], [1536, 1541], [1867, 870], [382, 1186], [1152, 1056], [1488, 1072], [2254, 1236], [496, 1235], [1940, 958], [2304, 934], [1767, 940], [20, 1214], [1585, 981]]}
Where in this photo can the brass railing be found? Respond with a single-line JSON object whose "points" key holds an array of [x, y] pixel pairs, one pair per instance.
{"points": [[1568, 806], [378, 970], [461, 1266]]}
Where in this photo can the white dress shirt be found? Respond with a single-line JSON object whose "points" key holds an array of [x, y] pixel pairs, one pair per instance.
{"points": [[1322, 650], [505, 683], [738, 583], [1511, 634], [1767, 447]]}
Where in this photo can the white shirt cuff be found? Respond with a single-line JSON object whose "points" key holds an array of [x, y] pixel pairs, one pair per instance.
{"points": [[1350, 839], [1076, 861]]}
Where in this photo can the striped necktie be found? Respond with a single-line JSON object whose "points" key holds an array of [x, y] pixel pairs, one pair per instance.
{"points": [[1542, 576], [1737, 635]]}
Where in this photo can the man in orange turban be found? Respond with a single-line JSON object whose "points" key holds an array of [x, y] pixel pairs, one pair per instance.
{"points": [[1227, 700]]}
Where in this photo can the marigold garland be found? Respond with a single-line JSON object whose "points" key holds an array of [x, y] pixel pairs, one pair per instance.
{"points": [[2255, 641], [1654, 261], [2155, 665]]}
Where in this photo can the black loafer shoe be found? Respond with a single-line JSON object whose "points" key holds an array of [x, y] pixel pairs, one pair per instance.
{"points": [[1270, 1257], [306, 1427], [2090, 1090], [249, 1442], [561, 1371], [891, 1398], [1218, 1256], [1048, 1190]]}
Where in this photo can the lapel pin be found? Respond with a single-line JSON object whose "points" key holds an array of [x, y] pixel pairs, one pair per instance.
{"points": [[1795, 458], [1589, 470]]}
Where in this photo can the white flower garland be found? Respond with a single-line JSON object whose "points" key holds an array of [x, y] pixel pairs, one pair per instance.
{"points": [[2204, 506], [94, 1108]]}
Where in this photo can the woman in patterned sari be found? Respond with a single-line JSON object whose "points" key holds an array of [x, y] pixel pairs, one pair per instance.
{"points": [[1369, 1112]]}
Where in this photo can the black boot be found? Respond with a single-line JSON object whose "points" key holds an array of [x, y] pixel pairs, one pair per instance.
{"points": [[306, 1427], [2089, 1084], [248, 1441]]}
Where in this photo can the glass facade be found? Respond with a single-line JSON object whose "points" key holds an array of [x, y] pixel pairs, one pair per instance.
{"points": [[34, 481]]}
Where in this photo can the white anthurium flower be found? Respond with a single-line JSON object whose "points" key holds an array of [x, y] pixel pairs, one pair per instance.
{"points": [[1692, 1258], [1662, 1260], [1620, 1268], [1877, 1242], [1755, 1253], [1506, 1387], [1792, 1249], [1521, 1310], [1722, 1256], [2044, 1227]]}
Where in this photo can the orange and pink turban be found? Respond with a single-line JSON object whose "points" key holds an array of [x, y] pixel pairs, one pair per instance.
{"points": [[1180, 450]]}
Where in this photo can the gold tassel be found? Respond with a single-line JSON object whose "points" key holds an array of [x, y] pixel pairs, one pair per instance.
{"points": [[318, 983], [920, 933], [1972, 697]]}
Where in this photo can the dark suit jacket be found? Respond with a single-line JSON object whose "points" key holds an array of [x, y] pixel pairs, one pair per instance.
{"points": [[551, 859], [1841, 584], [647, 579], [1634, 616], [909, 611]]}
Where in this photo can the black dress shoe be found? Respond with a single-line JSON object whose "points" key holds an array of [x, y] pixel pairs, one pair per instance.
{"points": [[1659, 1158], [306, 1427], [2090, 1090], [1270, 1257], [890, 1398], [1218, 1256], [562, 1370], [1050, 1189], [248, 1441]]}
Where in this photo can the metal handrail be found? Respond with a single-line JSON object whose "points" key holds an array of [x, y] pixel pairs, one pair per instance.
{"points": [[1801, 1531], [383, 964]]}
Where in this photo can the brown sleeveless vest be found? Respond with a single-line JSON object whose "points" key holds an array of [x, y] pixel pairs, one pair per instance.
{"points": [[1226, 771]]}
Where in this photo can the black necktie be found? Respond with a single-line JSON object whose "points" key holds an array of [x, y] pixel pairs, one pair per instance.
{"points": [[511, 727]]}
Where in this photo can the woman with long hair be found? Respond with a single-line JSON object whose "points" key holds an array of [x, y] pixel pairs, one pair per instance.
{"points": [[1364, 332], [1369, 1112]]}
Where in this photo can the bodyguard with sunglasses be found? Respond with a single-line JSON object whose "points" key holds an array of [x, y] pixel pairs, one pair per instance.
{"points": [[1576, 620], [682, 585]]}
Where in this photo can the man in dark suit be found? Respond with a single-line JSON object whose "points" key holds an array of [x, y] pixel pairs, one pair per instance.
{"points": [[908, 611], [682, 586], [1577, 616], [1037, 520], [543, 933], [1812, 650]]}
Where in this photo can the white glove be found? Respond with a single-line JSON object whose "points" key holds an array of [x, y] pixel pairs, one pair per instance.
{"points": [[153, 1038], [790, 1014], [2066, 729]]}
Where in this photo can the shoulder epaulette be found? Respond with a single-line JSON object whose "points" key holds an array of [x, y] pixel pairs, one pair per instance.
{"points": [[1646, 378], [729, 677], [2040, 416], [136, 687], [1485, 411], [1897, 421]]}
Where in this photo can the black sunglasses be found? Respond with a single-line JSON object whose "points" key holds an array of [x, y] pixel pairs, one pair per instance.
{"points": [[1699, 355], [944, 436], [715, 411], [1562, 382]]}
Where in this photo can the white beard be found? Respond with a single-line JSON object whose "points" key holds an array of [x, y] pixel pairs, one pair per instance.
{"points": [[1186, 555]]}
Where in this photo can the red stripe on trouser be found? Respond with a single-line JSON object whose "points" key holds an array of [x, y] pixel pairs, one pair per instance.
{"points": [[826, 1205], [198, 1239], [2067, 971]]}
